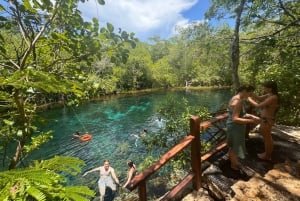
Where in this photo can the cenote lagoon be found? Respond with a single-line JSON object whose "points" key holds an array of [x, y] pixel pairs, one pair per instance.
{"points": [[112, 123]]}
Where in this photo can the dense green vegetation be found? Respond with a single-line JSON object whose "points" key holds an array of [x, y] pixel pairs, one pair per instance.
{"points": [[49, 54]]}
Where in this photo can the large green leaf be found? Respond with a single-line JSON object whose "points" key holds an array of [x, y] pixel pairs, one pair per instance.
{"points": [[36, 193], [43, 181], [110, 27], [27, 5], [79, 193]]}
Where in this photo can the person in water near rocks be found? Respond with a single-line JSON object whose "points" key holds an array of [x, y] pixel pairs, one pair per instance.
{"points": [[77, 134], [144, 133], [160, 122], [269, 104], [138, 136], [107, 178]]}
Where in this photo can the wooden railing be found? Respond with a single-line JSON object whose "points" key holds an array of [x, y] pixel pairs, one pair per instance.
{"points": [[193, 139]]}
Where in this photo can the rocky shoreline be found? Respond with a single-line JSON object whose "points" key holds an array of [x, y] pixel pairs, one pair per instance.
{"points": [[278, 180]]}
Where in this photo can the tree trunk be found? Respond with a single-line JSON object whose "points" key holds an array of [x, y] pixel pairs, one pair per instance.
{"points": [[24, 127], [14, 161], [234, 48]]}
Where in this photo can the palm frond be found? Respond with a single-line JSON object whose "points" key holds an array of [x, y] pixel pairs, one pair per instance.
{"points": [[70, 165], [31, 175], [82, 193], [36, 193], [44, 181]]}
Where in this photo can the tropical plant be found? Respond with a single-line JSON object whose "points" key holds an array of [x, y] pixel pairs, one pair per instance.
{"points": [[205, 60], [267, 47], [220, 9], [273, 40], [44, 180], [137, 74], [45, 50], [176, 116]]}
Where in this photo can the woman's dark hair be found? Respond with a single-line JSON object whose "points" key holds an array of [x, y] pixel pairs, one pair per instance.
{"points": [[248, 88], [130, 163], [271, 85]]}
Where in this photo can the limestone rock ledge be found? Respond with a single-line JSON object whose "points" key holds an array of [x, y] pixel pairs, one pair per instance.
{"points": [[282, 183]]}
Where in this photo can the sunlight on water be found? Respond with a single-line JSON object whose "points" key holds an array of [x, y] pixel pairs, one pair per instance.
{"points": [[113, 124]]}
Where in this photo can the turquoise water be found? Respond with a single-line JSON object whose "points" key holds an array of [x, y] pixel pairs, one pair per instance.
{"points": [[112, 124]]}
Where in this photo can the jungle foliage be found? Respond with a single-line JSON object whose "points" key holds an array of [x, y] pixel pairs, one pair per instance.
{"points": [[45, 56], [43, 181], [50, 55]]}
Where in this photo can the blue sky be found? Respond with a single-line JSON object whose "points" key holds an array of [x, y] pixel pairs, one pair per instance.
{"points": [[197, 11], [147, 18]]}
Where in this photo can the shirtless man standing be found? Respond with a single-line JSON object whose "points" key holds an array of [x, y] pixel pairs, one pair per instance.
{"points": [[268, 103]]}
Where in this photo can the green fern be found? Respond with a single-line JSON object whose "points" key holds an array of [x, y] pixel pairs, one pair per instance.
{"points": [[36, 193], [65, 164], [32, 175], [79, 193], [44, 181]]}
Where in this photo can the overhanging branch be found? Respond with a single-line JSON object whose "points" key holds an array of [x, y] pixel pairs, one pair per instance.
{"points": [[27, 52], [273, 33]]}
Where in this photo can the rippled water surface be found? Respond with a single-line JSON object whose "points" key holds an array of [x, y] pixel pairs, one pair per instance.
{"points": [[112, 124]]}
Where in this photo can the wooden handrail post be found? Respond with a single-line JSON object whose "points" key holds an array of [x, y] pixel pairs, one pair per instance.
{"points": [[142, 191], [195, 151]]}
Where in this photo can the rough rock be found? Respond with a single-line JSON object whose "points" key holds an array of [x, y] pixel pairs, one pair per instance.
{"points": [[196, 195], [275, 181], [282, 183]]}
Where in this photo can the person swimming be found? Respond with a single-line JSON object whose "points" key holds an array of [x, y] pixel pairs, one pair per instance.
{"points": [[160, 122], [138, 136], [77, 134]]}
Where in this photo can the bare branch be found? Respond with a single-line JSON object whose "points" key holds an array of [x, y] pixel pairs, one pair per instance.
{"points": [[21, 26], [10, 60], [285, 10], [272, 34], [8, 66], [22, 63]]}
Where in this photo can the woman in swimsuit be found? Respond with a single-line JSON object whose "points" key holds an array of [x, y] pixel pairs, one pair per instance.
{"points": [[236, 125], [107, 178], [131, 172], [269, 104]]}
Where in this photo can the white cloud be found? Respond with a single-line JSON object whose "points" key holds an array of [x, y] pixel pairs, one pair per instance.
{"points": [[143, 17]]}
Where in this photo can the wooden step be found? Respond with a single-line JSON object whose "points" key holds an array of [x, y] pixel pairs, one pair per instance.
{"points": [[219, 177]]}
